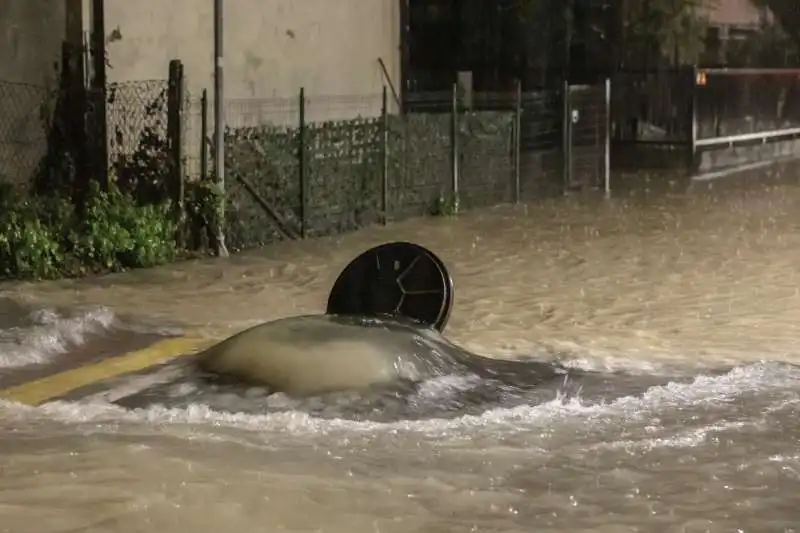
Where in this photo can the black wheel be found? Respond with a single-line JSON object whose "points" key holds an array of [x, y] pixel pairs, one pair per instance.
{"points": [[398, 279]]}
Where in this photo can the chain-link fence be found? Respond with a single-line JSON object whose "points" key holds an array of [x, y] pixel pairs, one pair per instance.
{"points": [[541, 143], [24, 130], [304, 166], [296, 167], [137, 137], [53, 138], [587, 117], [195, 135]]}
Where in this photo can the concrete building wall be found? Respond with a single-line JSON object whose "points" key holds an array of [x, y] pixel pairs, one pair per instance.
{"points": [[272, 48], [31, 36], [742, 14]]}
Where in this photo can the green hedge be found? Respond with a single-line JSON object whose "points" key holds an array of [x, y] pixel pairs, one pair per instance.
{"points": [[44, 237]]}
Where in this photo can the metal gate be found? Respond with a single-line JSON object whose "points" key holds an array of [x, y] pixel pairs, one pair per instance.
{"points": [[587, 128]]}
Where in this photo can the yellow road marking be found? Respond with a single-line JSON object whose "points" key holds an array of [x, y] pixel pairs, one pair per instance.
{"points": [[41, 390]]}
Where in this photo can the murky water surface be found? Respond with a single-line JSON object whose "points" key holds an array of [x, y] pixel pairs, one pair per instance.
{"points": [[686, 306]]}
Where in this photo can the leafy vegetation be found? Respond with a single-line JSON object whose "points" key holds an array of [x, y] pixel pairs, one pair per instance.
{"points": [[66, 223], [446, 205], [672, 30], [45, 237], [787, 20], [771, 47]]}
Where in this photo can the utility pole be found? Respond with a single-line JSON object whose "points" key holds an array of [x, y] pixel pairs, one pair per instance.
{"points": [[219, 124]]}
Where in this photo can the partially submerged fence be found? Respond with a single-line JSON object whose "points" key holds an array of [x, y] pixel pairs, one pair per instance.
{"points": [[587, 139], [735, 105], [318, 177], [57, 139], [309, 165], [718, 118], [653, 107], [292, 177], [314, 165]]}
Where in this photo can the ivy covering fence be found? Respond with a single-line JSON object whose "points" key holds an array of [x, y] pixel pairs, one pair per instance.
{"points": [[331, 176]]}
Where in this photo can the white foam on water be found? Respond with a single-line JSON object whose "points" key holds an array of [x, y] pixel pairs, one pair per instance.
{"points": [[442, 386], [136, 384], [47, 334], [688, 438], [149, 329], [632, 362], [702, 391], [633, 365]]}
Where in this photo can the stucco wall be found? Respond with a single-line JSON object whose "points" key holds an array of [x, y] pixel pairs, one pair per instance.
{"points": [[31, 37], [736, 13], [31, 33], [272, 48]]}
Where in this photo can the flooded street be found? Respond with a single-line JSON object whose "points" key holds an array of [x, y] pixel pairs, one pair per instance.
{"points": [[686, 305]]}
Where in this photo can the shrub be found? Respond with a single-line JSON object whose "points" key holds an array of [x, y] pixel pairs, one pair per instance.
{"points": [[116, 233], [28, 247], [203, 208], [45, 237]]}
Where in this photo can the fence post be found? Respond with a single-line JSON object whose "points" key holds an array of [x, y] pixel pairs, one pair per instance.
{"points": [[219, 124], [72, 116], [566, 141], [693, 118], [99, 156], [385, 157], [301, 162], [454, 149], [175, 142], [607, 147], [517, 141], [204, 135]]}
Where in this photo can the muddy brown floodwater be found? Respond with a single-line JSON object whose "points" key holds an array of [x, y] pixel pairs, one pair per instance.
{"points": [[700, 287]]}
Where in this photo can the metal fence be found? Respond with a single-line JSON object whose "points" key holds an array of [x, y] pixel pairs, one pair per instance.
{"points": [[137, 141], [48, 137], [23, 130], [304, 166], [588, 123], [717, 117], [57, 139], [738, 103], [53, 138], [653, 107], [310, 165], [307, 170]]}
